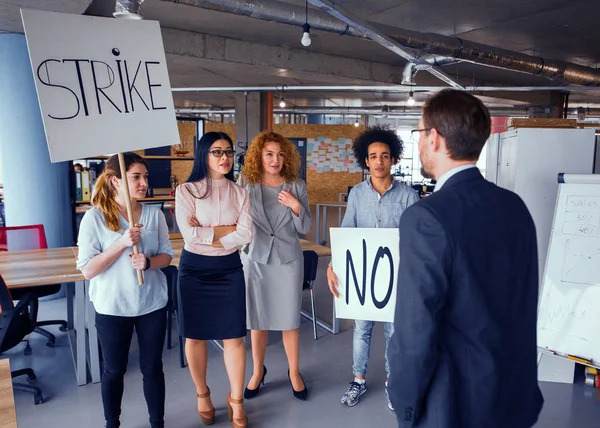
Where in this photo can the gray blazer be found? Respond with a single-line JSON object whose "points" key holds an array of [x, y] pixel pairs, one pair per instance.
{"points": [[282, 238]]}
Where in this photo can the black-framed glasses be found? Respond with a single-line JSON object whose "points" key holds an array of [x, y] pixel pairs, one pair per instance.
{"points": [[219, 153], [412, 133]]}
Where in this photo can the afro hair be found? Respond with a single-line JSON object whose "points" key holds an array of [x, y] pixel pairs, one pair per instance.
{"points": [[377, 134]]}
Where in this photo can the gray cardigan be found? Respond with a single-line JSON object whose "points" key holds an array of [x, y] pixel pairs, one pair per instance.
{"points": [[282, 238]]}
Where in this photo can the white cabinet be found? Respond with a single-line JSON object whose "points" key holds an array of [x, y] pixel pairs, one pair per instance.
{"points": [[528, 163]]}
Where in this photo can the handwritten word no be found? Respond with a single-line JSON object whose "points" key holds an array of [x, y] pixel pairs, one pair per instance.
{"points": [[361, 291]]}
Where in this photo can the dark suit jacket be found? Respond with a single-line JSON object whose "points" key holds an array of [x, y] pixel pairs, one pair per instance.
{"points": [[464, 354]]}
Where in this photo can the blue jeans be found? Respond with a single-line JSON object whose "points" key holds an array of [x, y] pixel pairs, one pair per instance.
{"points": [[361, 345]]}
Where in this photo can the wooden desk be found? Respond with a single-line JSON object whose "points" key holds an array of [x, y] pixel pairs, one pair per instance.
{"points": [[51, 266], [321, 251], [57, 265], [8, 415], [38, 267], [324, 206]]}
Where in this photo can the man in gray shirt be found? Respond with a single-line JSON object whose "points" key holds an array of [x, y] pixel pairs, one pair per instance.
{"points": [[378, 201]]}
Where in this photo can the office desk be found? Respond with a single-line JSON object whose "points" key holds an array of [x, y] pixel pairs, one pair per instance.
{"points": [[8, 415], [177, 245], [48, 267], [325, 205]]}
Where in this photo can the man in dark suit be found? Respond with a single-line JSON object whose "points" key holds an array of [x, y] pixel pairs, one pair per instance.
{"points": [[463, 354]]}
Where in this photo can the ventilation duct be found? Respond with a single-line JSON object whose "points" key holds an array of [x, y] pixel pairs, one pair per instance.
{"points": [[422, 44], [128, 9]]}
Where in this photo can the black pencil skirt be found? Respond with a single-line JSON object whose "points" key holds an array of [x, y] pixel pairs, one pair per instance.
{"points": [[212, 293]]}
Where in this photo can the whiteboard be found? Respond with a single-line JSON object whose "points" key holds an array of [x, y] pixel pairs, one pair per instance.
{"points": [[569, 309]]}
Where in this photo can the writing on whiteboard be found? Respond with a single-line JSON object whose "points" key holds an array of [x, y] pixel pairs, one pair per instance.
{"points": [[582, 217], [583, 204], [581, 263], [560, 313]]}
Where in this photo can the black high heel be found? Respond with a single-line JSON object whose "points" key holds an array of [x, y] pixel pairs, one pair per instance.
{"points": [[251, 393], [300, 395]]}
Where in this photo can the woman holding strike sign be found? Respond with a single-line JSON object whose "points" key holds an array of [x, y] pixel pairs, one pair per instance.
{"points": [[106, 259]]}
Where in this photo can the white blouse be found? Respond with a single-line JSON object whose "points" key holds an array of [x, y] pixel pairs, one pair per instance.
{"points": [[116, 290]]}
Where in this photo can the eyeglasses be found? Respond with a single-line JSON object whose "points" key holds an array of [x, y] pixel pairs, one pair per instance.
{"points": [[219, 153], [412, 133]]}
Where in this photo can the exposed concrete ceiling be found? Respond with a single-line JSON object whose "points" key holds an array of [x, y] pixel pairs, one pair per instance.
{"points": [[208, 48]]}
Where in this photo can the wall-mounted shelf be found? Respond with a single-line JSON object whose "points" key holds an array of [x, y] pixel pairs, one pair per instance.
{"points": [[150, 157]]}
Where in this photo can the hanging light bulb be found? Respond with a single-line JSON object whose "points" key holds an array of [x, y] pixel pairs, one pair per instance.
{"points": [[411, 101], [282, 103], [306, 41], [356, 123]]}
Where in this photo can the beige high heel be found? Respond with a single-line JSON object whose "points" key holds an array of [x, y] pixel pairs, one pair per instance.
{"points": [[208, 417], [235, 423]]}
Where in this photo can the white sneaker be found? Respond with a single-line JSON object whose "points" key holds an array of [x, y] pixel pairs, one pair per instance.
{"points": [[388, 398]]}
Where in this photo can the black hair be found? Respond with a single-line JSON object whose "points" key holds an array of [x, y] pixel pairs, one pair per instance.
{"points": [[377, 134], [201, 169]]}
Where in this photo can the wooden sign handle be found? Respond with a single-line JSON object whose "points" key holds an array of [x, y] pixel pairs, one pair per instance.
{"points": [[125, 185]]}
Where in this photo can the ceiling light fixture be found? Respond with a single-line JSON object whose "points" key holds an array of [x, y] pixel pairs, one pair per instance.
{"points": [[306, 41], [356, 123], [282, 103], [411, 100]]}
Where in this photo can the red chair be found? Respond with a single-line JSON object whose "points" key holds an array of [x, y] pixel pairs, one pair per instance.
{"points": [[32, 237]]}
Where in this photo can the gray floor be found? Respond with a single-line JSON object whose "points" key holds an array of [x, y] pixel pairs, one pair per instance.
{"points": [[326, 367]]}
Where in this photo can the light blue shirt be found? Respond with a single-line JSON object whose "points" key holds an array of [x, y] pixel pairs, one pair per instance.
{"points": [[367, 208], [445, 177], [116, 290]]}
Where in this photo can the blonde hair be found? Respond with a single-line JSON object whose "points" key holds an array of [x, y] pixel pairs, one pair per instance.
{"points": [[104, 191], [253, 169]]}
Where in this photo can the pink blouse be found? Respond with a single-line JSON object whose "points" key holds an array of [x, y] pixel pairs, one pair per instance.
{"points": [[228, 204]]}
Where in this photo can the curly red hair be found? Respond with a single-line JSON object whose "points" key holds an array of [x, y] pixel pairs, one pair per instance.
{"points": [[253, 169]]}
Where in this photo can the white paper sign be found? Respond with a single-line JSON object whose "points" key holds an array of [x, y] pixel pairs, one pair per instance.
{"points": [[102, 84], [365, 262]]}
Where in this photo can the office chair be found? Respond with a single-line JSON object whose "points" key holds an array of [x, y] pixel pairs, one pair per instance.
{"points": [[172, 274], [177, 307], [32, 237], [311, 262], [16, 323]]}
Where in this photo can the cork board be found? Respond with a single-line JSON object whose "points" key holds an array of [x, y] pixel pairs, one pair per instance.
{"points": [[326, 186], [323, 186]]}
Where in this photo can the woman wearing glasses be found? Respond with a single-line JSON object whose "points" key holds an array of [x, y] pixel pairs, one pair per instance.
{"points": [[213, 215]]}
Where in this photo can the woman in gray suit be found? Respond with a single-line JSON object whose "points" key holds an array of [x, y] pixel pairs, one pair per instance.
{"points": [[273, 261]]}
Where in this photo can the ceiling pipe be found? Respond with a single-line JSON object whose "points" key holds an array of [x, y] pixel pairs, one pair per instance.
{"points": [[419, 43], [384, 88], [381, 110], [128, 9], [347, 111], [384, 40]]}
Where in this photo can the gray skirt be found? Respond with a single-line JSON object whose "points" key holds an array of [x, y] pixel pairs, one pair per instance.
{"points": [[273, 294]]}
